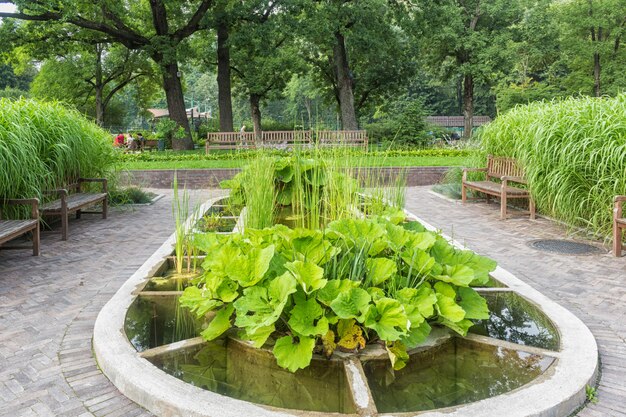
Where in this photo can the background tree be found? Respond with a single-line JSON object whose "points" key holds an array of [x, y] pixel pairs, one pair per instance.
{"points": [[159, 28]]}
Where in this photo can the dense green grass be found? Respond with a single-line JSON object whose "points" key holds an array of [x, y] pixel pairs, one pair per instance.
{"points": [[573, 152], [42, 145], [237, 163]]}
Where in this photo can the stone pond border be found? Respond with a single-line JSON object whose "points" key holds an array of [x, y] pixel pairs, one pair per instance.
{"points": [[558, 392]]}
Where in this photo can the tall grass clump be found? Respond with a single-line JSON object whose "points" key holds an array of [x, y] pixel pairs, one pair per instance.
{"points": [[573, 152], [43, 144], [259, 192]]}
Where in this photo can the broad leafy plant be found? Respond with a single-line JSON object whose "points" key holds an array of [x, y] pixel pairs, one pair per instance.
{"points": [[357, 282]]}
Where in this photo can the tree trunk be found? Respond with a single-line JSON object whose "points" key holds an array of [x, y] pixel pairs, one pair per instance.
{"points": [[176, 104], [344, 84], [596, 74], [468, 105], [223, 78], [255, 110], [99, 87]]}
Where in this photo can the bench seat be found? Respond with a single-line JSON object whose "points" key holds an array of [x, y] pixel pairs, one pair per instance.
{"points": [[10, 229], [494, 188], [74, 202]]}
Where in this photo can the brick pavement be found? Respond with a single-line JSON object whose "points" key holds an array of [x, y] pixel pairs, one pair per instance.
{"points": [[48, 305], [591, 287]]}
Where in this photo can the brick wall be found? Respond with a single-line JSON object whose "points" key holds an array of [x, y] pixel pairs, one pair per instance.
{"points": [[210, 178]]}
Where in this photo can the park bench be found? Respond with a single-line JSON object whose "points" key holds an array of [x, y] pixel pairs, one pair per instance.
{"points": [[230, 140], [10, 229], [499, 173], [73, 200], [285, 139], [356, 138], [619, 224], [149, 145]]}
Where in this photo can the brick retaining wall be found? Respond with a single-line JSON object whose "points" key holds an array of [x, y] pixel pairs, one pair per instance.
{"points": [[210, 178]]}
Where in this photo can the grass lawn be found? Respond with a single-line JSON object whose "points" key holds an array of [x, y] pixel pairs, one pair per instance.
{"points": [[405, 161]]}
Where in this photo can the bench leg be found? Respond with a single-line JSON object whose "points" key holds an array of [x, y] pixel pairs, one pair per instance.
{"points": [[617, 240], [488, 198], [36, 241], [463, 193], [531, 208], [503, 206], [105, 207], [78, 213], [64, 226]]}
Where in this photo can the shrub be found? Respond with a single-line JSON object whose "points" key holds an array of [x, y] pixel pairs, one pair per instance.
{"points": [[44, 144], [574, 154]]}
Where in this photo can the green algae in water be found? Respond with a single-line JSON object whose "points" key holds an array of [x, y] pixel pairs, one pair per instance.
{"points": [[157, 321], [514, 319], [229, 368], [457, 372]]}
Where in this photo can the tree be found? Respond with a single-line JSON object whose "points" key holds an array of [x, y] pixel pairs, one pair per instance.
{"points": [[358, 52], [159, 28], [264, 55], [469, 39], [591, 40]]}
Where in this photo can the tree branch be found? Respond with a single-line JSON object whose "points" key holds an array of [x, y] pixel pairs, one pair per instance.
{"points": [[194, 23]]}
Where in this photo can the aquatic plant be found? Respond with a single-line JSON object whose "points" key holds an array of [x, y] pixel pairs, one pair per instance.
{"points": [[358, 281]]}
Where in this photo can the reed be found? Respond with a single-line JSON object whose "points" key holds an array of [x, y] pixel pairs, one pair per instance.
{"points": [[573, 152]]}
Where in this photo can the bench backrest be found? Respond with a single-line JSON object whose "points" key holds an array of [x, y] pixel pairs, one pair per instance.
{"points": [[342, 137], [499, 167], [289, 137]]}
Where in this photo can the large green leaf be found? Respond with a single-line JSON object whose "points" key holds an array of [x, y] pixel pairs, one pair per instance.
{"points": [[261, 307], [397, 355], [309, 276], [332, 289], [307, 318], [260, 335], [446, 304], [388, 319], [219, 324], [397, 237], [250, 268], [422, 240], [294, 355], [418, 261], [474, 305], [351, 303], [380, 269], [359, 234], [461, 327], [312, 246], [416, 335], [198, 301], [219, 261], [459, 275]]}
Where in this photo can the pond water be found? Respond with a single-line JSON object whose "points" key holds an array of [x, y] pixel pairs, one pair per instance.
{"points": [[456, 372], [514, 319], [225, 367]]}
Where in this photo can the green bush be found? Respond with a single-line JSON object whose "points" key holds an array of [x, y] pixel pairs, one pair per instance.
{"points": [[573, 152], [43, 144], [402, 124]]}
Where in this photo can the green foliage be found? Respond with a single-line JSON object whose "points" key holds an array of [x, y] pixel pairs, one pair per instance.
{"points": [[573, 152], [130, 195], [43, 145], [167, 129], [400, 123], [351, 284]]}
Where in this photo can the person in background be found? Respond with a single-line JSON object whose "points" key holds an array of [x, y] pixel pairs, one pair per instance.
{"points": [[141, 140], [119, 140], [132, 142]]}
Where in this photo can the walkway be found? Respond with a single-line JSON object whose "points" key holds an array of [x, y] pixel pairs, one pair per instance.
{"points": [[48, 305]]}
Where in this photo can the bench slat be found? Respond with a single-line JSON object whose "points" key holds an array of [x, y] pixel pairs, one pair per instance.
{"points": [[496, 188], [10, 229], [74, 201]]}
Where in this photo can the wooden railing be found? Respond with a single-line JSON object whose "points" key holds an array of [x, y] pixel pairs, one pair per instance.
{"points": [[286, 139]]}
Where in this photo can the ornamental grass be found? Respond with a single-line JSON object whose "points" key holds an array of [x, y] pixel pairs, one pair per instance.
{"points": [[44, 144], [573, 152]]}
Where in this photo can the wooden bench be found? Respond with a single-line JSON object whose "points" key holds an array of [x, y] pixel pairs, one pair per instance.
{"points": [[285, 139], [230, 140], [72, 200], [499, 173], [149, 145], [619, 224], [10, 229], [357, 138]]}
